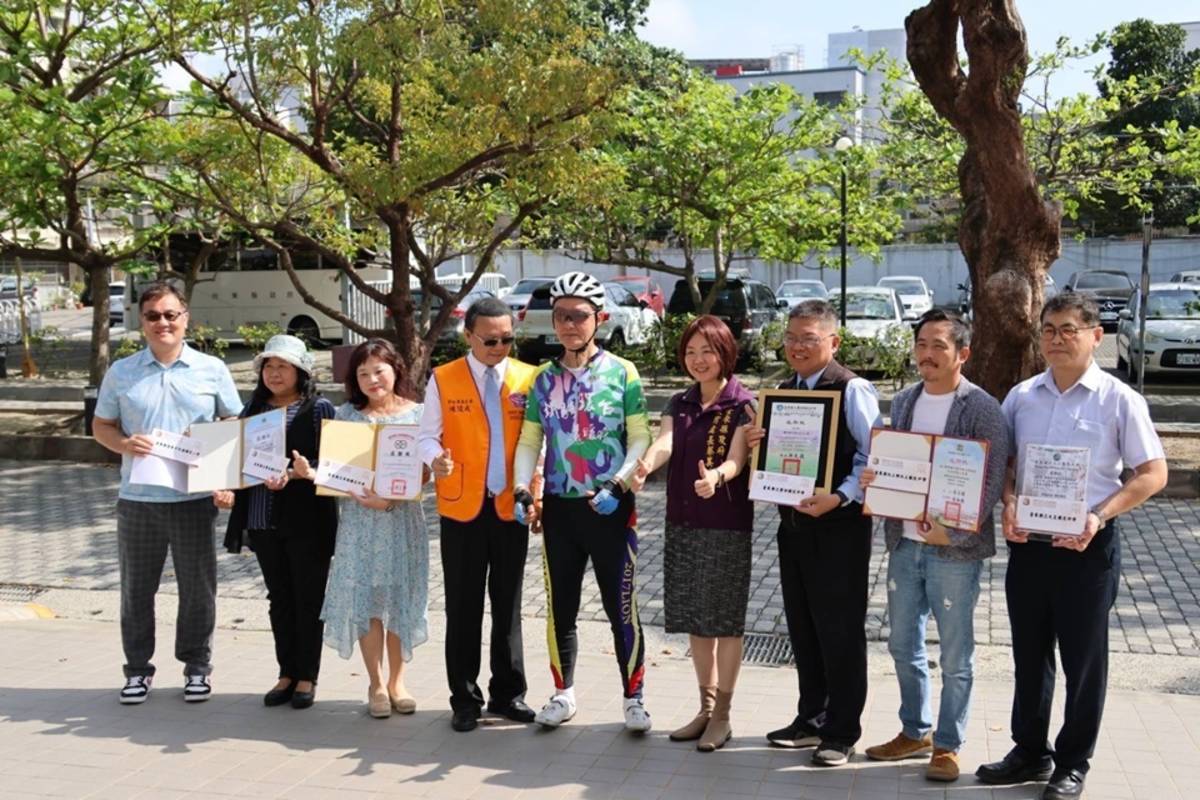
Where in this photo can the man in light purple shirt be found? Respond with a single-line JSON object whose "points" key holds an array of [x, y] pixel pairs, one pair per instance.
{"points": [[1062, 590]]}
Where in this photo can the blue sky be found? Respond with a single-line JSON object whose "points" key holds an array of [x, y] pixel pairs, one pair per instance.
{"points": [[724, 28]]}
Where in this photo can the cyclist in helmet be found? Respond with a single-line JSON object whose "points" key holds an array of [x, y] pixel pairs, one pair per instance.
{"points": [[589, 408]]}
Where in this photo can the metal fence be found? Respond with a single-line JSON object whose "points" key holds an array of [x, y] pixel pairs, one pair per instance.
{"points": [[360, 308], [10, 319]]}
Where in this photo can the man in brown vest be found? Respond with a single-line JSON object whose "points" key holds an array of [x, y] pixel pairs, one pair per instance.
{"points": [[824, 552], [473, 411]]}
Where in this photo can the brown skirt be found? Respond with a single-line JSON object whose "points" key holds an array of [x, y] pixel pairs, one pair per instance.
{"points": [[706, 575]]}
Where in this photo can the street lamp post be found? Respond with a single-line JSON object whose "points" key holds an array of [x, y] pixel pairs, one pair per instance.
{"points": [[843, 144]]}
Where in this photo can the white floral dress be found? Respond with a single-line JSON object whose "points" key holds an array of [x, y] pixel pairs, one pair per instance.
{"points": [[380, 565]]}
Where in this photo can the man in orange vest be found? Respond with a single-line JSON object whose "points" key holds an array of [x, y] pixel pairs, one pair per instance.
{"points": [[472, 419]]}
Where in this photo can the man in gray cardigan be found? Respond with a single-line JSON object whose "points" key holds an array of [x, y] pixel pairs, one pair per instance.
{"points": [[936, 569]]}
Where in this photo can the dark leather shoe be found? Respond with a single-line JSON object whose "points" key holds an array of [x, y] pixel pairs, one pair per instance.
{"points": [[1065, 783], [464, 719], [1016, 767], [304, 699], [279, 697], [517, 711]]}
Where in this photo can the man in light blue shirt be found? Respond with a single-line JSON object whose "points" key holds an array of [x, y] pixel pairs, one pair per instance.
{"points": [[1062, 590], [168, 386]]}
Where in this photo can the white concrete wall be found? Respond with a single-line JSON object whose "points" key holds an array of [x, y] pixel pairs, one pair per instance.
{"points": [[941, 265]]}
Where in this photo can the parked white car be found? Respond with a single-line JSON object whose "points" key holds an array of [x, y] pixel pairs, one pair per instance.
{"points": [[1172, 331], [1187, 276], [797, 291], [630, 322], [915, 296], [116, 303], [871, 310]]}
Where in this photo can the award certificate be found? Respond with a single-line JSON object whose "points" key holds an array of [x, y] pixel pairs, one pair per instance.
{"points": [[795, 458], [1053, 495], [957, 479], [397, 465], [266, 433]]}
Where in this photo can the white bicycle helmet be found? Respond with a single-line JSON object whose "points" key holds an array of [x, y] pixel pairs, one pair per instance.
{"points": [[578, 284]]}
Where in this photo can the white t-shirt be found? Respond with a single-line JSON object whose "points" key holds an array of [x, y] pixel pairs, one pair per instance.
{"points": [[929, 416]]}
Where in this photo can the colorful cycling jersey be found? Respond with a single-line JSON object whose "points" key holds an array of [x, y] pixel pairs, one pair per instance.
{"points": [[592, 420]]}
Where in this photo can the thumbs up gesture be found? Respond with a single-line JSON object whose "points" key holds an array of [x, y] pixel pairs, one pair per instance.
{"points": [[443, 465], [301, 468], [707, 485]]}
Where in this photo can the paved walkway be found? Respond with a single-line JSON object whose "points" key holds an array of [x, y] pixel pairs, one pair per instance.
{"points": [[64, 735], [58, 529]]}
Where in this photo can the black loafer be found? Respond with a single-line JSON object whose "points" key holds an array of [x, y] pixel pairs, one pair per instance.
{"points": [[1065, 783], [517, 711], [464, 719], [1016, 767], [279, 697], [304, 699]]}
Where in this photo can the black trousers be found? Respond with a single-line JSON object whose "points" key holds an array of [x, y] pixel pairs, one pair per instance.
{"points": [[823, 571], [486, 551], [1059, 596], [575, 533], [295, 568]]}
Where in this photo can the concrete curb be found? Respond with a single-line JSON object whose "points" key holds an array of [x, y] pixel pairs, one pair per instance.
{"points": [[56, 448]]}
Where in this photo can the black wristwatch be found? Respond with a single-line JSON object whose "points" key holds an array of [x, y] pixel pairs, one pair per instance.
{"points": [[845, 500]]}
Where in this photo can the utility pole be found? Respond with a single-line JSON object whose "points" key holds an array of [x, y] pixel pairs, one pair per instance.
{"points": [[1143, 299]]}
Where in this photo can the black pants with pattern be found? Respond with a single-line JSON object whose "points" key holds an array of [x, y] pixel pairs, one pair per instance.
{"points": [[145, 531]]}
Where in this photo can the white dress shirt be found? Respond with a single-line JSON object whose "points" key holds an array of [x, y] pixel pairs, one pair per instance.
{"points": [[1099, 412], [429, 439]]}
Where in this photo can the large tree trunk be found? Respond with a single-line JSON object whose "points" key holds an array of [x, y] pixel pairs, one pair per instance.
{"points": [[1009, 235], [98, 279]]}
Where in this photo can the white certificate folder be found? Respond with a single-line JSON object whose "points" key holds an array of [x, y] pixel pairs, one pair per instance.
{"points": [[923, 477]]}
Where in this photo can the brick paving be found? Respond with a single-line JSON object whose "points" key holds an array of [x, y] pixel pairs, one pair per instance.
{"points": [[58, 529]]}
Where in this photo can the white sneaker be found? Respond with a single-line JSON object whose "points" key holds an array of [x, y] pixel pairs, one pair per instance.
{"points": [[637, 718], [197, 688], [137, 689], [560, 709]]}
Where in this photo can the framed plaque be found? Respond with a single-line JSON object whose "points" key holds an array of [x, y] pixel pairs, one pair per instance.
{"points": [[795, 458]]}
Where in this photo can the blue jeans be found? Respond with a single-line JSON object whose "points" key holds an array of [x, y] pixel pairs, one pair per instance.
{"points": [[919, 581]]}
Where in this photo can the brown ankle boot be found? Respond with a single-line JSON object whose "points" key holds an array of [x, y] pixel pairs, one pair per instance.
{"points": [[694, 729], [718, 731]]}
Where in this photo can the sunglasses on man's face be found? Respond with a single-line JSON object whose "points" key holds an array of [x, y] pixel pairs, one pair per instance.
{"points": [[155, 316], [504, 340]]}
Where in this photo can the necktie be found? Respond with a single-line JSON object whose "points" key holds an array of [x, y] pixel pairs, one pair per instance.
{"points": [[496, 477]]}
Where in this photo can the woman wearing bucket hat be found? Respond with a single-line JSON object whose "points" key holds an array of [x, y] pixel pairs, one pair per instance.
{"points": [[291, 529]]}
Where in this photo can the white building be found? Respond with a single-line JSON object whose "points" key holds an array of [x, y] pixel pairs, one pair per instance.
{"points": [[893, 41], [1192, 29]]}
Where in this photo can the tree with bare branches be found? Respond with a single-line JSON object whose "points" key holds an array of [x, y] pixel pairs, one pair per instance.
{"points": [[1009, 234]]}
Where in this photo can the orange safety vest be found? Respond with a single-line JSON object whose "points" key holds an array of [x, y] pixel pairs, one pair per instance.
{"points": [[466, 434]]}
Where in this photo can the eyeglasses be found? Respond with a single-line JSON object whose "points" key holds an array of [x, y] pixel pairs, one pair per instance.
{"points": [[573, 317], [504, 340], [808, 342], [1067, 332], [169, 316]]}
